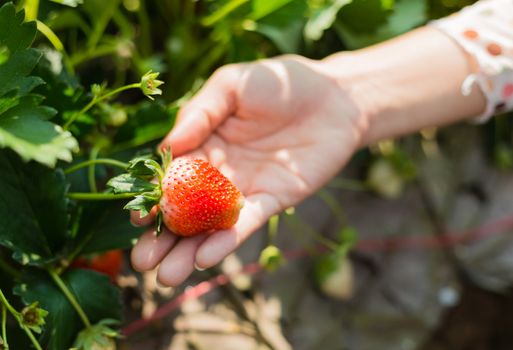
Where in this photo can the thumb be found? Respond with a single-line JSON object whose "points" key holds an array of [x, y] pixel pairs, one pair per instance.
{"points": [[215, 102]]}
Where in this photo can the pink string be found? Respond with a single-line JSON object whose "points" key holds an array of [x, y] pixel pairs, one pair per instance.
{"points": [[445, 240]]}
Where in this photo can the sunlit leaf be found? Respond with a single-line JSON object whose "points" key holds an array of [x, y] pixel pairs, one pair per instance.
{"points": [[323, 18], [24, 125]]}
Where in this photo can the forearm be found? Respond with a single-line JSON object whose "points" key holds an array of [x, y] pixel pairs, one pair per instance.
{"points": [[407, 84]]}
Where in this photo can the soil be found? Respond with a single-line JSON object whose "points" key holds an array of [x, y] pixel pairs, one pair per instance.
{"points": [[481, 321]]}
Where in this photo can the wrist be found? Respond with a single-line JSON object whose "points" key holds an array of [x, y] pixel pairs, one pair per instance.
{"points": [[358, 78], [406, 84]]}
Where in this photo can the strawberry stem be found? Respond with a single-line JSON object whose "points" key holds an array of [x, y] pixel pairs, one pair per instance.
{"points": [[6, 305], [87, 196], [71, 298], [91, 171], [89, 162], [97, 99], [4, 326]]}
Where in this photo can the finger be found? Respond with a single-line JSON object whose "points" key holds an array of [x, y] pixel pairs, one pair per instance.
{"points": [[151, 249], [179, 263], [256, 211], [205, 111], [137, 220]]}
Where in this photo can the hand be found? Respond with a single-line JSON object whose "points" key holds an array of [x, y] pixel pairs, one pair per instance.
{"points": [[279, 129]]}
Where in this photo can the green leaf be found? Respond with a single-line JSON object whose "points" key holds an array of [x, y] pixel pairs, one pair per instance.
{"points": [[99, 336], [144, 202], [93, 291], [127, 183], [284, 26], [111, 229], [4, 54], [323, 18], [143, 166], [13, 73], [14, 33], [33, 209], [24, 125], [262, 8], [34, 138], [364, 16], [62, 90], [407, 15]]}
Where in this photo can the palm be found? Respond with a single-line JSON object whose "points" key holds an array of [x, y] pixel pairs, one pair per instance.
{"points": [[284, 140], [279, 130]]}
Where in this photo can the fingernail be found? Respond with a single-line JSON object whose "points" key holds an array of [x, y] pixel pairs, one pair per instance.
{"points": [[134, 224], [198, 268]]}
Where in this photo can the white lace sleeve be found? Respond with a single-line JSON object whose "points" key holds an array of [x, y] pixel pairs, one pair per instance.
{"points": [[485, 31]]}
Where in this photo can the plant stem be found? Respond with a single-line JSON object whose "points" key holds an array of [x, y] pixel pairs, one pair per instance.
{"points": [[302, 226], [71, 298], [16, 315], [91, 173], [81, 56], [86, 196], [222, 12], [272, 228], [4, 326], [56, 43], [31, 9], [6, 303], [334, 205], [50, 35], [97, 99], [89, 162], [32, 338]]}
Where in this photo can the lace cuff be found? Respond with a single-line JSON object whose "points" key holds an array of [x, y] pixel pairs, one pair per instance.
{"points": [[485, 31]]}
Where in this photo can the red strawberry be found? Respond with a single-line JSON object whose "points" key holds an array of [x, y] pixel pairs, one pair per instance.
{"points": [[197, 198], [193, 197], [109, 263]]}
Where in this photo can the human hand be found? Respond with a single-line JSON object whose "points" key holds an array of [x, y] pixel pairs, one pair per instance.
{"points": [[279, 129]]}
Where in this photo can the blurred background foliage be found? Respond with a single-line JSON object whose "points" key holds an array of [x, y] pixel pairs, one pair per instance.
{"points": [[119, 40]]}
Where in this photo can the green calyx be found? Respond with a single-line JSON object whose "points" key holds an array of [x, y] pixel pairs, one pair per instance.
{"points": [[139, 180], [100, 336], [33, 317]]}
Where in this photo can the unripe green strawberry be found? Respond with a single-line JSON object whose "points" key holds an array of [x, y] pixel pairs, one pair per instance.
{"points": [[197, 198]]}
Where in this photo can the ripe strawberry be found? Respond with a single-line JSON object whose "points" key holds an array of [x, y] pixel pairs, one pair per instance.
{"points": [[197, 198], [193, 197], [109, 263]]}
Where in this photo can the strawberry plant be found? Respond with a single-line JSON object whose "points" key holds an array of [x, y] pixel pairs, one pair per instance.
{"points": [[82, 97], [46, 119]]}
